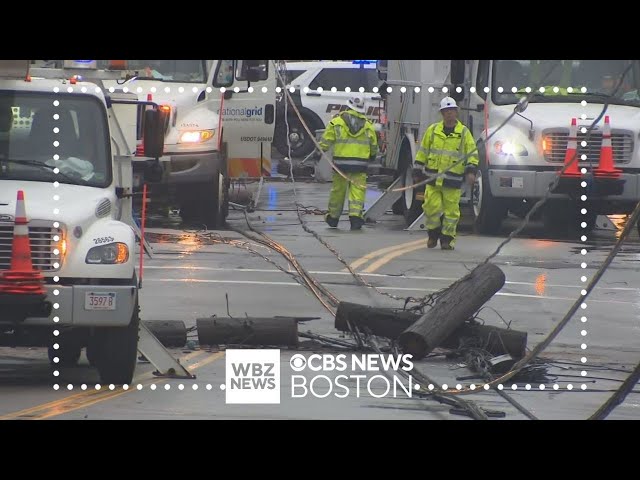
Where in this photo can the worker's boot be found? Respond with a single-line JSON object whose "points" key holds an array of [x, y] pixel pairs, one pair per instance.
{"points": [[356, 223], [434, 235], [332, 222], [446, 242]]}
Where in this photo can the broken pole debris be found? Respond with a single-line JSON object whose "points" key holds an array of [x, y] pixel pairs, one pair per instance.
{"points": [[455, 306], [248, 331]]}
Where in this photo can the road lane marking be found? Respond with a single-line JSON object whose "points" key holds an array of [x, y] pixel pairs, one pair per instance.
{"points": [[374, 275], [93, 396], [390, 256], [382, 251], [380, 287]]}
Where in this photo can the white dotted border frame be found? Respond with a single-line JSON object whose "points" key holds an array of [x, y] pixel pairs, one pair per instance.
{"points": [[56, 225], [445, 387], [195, 386], [332, 90], [583, 252]]}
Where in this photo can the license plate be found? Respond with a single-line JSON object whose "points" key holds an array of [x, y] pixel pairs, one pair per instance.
{"points": [[100, 301]]}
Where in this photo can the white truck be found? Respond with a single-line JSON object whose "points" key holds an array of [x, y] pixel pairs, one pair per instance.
{"points": [[211, 137], [63, 129], [520, 162]]}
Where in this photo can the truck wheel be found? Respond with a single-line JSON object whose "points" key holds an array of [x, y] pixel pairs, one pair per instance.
{"points": [[207, 203], [557, 218], [114, 351], [564, 218], [590, 219], [408, 205], [215, 203], [488, 211], [405, 171], [301, 143], [412, 213], [68, 356]]}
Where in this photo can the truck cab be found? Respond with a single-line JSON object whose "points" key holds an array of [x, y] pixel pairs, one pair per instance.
{"points": [[522, 159], [520, 113], [211, 136], [59, 145]]}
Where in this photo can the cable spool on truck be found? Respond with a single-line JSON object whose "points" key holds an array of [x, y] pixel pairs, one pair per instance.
{"points": [[79, 259], [519, 161]]}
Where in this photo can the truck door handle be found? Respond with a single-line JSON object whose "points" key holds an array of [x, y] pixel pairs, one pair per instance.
{"points": [[313, 94], [269, 114]]}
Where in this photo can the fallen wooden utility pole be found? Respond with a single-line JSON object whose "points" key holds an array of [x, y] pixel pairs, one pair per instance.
{"points": [[391, 322], [170, 333], [248, 331], [383, 322], [455, 306]]}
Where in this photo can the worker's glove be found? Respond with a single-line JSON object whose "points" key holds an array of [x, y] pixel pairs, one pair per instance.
{"points": [[471, 178], [470, 174], [316, 155]]}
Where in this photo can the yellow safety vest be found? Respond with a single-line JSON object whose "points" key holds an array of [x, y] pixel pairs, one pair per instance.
{"points": [[352, 152], [439, 152]]}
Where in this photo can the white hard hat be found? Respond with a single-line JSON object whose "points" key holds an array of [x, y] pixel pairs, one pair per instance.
{"points": [[448, 102], [357, 104]]}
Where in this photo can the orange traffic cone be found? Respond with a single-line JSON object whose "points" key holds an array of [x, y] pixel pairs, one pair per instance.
{"points": [[606, 167], [21, 278], [571, 155]]}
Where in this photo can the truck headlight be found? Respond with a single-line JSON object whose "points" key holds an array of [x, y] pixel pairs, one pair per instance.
{"points": [[110, 254], [196, 136], [510, 148]]}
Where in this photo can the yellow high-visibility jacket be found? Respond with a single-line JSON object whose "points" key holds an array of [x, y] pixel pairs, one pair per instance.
{"points": [[438, 153], [353, 139]]}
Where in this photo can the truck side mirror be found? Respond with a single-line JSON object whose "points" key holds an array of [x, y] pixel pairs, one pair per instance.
{"points": [[458, 97], [457, 72], [153, 133], [381, 67], [522, 105], [253, 70]]}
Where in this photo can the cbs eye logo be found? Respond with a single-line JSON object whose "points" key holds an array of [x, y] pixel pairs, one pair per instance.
{"points": [[298, 363]]}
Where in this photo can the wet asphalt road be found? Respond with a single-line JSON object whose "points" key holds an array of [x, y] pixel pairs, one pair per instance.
{"points": [[193, 275]]}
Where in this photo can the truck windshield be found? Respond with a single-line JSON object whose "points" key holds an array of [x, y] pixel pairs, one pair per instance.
{"points": [[183, 71], [564, 80], [31, 123]]}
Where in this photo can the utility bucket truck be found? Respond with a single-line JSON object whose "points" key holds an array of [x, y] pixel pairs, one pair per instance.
{"points": [[521, 160], [211, 137], [65, 164]]}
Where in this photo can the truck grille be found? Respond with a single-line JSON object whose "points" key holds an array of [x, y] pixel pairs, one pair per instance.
{"points": [[622, 143], [41, 235]]}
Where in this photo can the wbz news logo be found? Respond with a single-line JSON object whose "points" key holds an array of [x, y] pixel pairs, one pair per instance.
{"points": [[252, 376]]}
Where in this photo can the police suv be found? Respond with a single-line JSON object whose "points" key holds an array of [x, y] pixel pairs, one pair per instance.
{"points": [[322, 89]]}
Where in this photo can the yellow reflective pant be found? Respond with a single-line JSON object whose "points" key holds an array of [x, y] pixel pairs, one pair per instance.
{"points": [[356, 186], [442, 202]]}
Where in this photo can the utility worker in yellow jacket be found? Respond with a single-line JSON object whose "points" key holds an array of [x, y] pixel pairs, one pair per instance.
{"points": [[443, 145], [355, 145]]}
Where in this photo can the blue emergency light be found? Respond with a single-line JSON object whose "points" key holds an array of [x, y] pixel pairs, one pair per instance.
{"points": [[363, 62]]}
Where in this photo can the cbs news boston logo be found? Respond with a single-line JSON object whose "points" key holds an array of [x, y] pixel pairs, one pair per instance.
{"points": [[253, 376]]}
